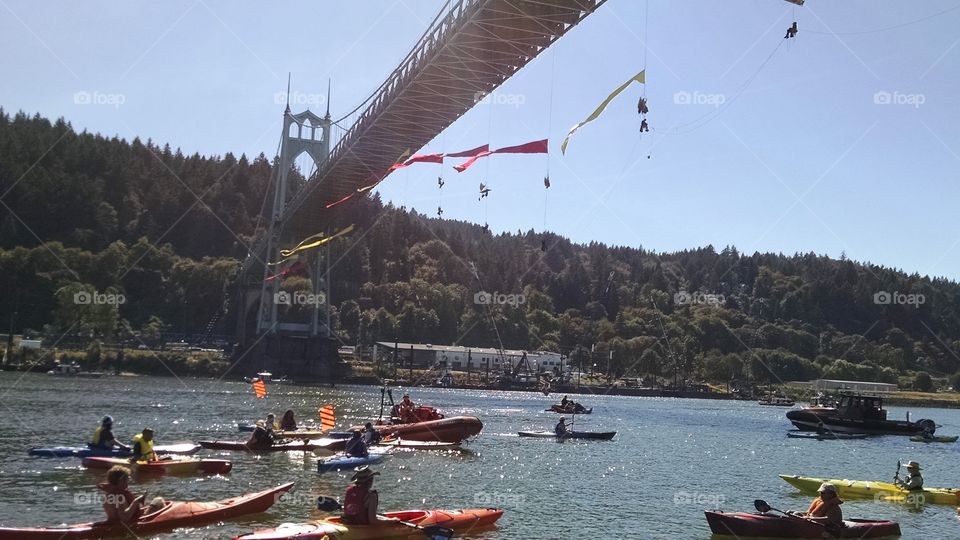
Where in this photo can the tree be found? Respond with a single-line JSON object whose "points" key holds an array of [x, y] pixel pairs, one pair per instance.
{"points": [[923, 382]]}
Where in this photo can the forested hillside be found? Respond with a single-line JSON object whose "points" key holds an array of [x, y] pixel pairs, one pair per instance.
{"points": [[86, 213]]}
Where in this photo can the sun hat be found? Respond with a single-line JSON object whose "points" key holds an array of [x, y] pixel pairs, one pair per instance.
{"points": [[827, 486], [363, 473], [913, 465]]}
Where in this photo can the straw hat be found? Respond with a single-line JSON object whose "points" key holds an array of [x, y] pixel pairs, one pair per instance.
{"points": [[913, 465], [363, 473]]}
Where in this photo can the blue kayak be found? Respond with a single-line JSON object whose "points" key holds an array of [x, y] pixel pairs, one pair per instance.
{"points": [[341, 462], [82, 452]]}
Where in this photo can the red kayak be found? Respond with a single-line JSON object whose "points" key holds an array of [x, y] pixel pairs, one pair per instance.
{"points": [[164, 466], [330, 445], [172, 516], [458, 520], [743, 524], [451, 430]]}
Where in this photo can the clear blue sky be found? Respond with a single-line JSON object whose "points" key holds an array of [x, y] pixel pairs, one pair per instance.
{"points": [[799, 159]]}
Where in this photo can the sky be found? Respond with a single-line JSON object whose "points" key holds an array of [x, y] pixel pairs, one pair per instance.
{"points": [[843, 140]]}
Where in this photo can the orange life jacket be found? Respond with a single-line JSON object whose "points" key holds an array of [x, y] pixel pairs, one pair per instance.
{"points": [[821, 508]]}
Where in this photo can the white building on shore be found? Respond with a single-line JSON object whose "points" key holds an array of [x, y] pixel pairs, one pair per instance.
{"points": [[830, 386], [459, 358]]}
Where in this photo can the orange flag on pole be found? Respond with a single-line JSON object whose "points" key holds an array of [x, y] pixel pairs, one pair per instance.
{"points": [[260, 388], [327, 419]]}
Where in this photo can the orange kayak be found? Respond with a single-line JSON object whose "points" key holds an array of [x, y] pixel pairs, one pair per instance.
{"points": [[165, 466], [459, 520], [172, 516]]}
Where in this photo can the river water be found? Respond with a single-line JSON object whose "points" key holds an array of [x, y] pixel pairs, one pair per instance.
{"points": [[671, 458]]}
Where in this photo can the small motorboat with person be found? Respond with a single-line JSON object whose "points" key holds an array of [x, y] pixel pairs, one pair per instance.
{"points": [[568, 406], [789, 525], [422, 423]]}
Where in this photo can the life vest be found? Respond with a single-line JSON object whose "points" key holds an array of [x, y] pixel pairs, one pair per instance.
{"points": [[95, 440], [146, 448], [355, 505], [821, 508]]}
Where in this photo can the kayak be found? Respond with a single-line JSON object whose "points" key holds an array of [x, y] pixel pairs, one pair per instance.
{"points": [[458, 520], [310, 445], [172, 466], [82, 451], [746, 525], [884, 491], [597, 435], [569, 410], [345, 462], [826, 436], [172, 516], [937, 438], [454, 429], [310, 433], [421, 445]]}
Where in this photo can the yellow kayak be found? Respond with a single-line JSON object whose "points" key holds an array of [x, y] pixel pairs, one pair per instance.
{"points": [[881, 491]]}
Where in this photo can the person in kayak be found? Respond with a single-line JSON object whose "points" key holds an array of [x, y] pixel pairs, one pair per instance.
{"points": [[561, 429], [143, 446], [825, 508], [563, 402], [288, 422], [914, 480], [356, 447], [361, 501], [119, 504], [272, 422], [103, 438], [262, 436], [370, 435]]}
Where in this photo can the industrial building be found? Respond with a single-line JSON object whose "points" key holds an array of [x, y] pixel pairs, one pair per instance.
{"points": [[460, 358]]}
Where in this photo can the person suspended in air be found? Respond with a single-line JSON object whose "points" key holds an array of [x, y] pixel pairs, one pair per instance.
{"points": [[439, 212], [644, 126], [484, 191], [546, 182], [792, 31], [440, 182], [642, 106]]}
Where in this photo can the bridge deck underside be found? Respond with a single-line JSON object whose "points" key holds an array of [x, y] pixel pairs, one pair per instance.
{"points": [[478, 45]]}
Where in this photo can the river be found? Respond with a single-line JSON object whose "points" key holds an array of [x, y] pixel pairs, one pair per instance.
{"points": [[671, 458]]}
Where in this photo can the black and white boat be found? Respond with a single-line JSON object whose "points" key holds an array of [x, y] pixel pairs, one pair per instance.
{"points": [[857, 414]]}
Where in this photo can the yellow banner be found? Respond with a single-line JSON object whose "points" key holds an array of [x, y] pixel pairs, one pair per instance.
{"points": [[639, 77], [303, 245]]}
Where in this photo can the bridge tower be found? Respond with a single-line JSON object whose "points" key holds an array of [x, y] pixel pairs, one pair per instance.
{"points": [[290, 348]]}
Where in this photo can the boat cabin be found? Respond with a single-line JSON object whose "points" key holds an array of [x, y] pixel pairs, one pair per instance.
{"points": [[865, 407]]}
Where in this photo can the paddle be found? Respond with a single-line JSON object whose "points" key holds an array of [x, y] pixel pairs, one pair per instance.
{"points": [[325, 503], [763, 508], [896, 475]]}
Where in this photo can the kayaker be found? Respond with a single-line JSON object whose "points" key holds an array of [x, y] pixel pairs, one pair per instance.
{"points": [[825, 508], [119, 504], [143, 446], [561, 429], [370, 435], [272, 422], [262, 437], [288, 423], [914, 480], [361, 501], [355, 446], [563, 402], [103, 438]]}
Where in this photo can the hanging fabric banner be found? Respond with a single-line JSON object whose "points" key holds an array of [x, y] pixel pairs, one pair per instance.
{"points": [[535, 147], [287, 253], [295, 268], [639, 77], [328, 419]]}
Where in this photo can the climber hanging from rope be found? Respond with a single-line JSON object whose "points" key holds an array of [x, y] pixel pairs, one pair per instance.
{"points": [[792, 31], [644, 126], [440, 182], [439, 212], [546, 182], [642, 106], [484, 191]]}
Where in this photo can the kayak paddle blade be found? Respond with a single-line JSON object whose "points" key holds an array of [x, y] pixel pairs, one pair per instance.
{"points": [[436, 532], [327, 504], [761, 506]]}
